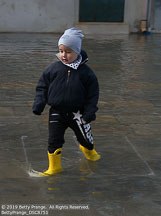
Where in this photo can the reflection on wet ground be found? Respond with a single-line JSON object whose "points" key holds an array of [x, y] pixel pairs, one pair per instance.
{"points": [[127, 180]]}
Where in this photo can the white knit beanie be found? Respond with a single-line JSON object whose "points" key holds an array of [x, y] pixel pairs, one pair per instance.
{"points": [[72, 38]]}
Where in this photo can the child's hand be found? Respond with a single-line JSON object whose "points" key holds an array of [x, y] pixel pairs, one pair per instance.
{"points": [[36, 113], [83, 121]]}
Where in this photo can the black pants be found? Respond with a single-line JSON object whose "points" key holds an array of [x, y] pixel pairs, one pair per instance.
{"points": [[59, 121]]}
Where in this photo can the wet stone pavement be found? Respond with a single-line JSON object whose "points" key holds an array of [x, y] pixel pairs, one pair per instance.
{"points": [[127, 179]]}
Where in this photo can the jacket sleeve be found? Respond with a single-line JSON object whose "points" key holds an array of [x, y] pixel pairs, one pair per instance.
{"points": [[40, 99], [90, 107]]}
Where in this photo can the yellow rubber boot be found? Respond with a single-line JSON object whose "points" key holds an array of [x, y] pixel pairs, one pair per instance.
{"points": [[91, 155], [54, 163]]}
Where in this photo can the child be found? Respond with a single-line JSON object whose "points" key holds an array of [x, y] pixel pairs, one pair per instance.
{"points": [[70, 87]]}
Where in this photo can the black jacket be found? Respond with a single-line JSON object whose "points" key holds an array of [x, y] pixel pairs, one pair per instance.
{"points": [[79, 91]]}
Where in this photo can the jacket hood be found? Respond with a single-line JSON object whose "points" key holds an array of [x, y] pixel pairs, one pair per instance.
{"points": [[84, 56]]}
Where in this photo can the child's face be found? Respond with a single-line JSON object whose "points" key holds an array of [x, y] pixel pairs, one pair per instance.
{"points": [[67, 55]]}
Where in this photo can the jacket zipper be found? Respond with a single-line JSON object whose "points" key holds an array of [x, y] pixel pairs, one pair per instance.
{"points": [[66, 94], [68, 76]]}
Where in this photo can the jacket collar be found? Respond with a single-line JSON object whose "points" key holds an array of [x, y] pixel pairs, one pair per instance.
{"points": [[83, 58], [74, 64]]}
